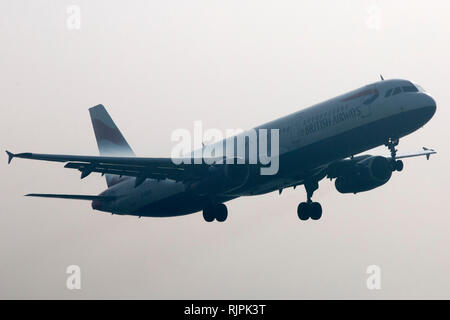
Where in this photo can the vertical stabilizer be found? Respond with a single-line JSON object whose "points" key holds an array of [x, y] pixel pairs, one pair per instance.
{"points": [[110, 140]]}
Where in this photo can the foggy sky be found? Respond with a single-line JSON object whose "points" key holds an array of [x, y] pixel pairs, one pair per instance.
{"points": [[158, 66]]}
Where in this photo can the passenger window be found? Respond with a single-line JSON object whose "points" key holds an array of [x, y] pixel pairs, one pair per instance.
{"points": [[388, 93], [397, 91], [410, 89]]}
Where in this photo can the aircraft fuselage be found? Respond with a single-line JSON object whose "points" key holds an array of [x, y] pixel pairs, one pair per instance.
{"points": [[309, 140]]}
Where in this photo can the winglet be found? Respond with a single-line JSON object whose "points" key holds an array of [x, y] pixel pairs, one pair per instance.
{"points": [[429, 154], [10, 156]]}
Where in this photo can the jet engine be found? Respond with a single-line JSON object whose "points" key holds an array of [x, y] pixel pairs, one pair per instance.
{"points": [[361, 174]]}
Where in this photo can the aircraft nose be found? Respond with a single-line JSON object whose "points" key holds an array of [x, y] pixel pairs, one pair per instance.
{"points": [[430, 106], [424, 105]]}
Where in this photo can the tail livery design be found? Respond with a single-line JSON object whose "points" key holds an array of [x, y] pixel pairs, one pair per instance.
{"points": [[110, 140]]}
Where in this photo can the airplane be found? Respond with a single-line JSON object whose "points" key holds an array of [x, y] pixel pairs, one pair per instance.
{"points": [[324, 140]]}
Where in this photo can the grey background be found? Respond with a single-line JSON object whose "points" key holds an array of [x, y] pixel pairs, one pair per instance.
{"points": [[160, 65]]}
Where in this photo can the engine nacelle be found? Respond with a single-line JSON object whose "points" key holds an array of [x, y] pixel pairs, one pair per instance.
{"points": [[222, 179], [366, 174]]}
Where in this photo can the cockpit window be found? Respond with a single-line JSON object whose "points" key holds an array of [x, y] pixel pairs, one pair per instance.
{"points": [[419, 88], [410, 89], [397, 91], [388, 93]]}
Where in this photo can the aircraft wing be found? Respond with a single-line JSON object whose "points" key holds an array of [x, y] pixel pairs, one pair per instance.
{"points": [[71, 196], [139, 167]]}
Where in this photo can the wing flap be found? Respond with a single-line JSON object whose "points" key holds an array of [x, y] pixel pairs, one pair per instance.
{"points": [[130, 171]]}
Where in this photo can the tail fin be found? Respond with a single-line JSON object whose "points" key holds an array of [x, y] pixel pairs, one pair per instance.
{"points": [[110, 140]]}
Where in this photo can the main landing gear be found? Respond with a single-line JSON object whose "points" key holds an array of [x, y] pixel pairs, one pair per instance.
{"points": [[309, 209], [397, 165], [215, 211]]}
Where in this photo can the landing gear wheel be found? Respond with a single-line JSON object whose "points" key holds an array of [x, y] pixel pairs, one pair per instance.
{"points": [[208, 214], [215, 211], [315, 210], [399, 165], [303, 211], [221, 212], [309, 209]]}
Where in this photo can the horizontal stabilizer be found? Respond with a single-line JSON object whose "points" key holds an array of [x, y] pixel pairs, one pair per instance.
{"points": [[10, 156], [70, 196]]}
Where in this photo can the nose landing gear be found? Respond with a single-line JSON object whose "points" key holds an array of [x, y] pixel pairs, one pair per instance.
{"points": [[310, 209], [397, 165], [391, 144]]}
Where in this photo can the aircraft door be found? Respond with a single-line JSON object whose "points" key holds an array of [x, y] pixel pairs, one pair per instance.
{"points": [[368, 101]]}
